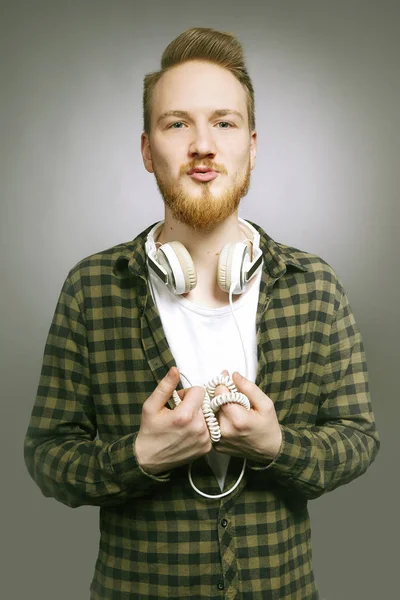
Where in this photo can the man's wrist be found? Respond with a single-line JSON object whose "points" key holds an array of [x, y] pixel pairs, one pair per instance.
{"points": [[153, 473], [140, 455], [278, 445], [272, 452]]}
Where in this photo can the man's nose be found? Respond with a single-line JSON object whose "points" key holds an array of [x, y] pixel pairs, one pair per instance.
{"points": [[202, 143]]}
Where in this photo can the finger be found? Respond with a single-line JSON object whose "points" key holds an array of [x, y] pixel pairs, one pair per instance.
{"points": [[181, 393], [232, 413], [249, 389], [163, 391], [222, 389], [193, 402]]}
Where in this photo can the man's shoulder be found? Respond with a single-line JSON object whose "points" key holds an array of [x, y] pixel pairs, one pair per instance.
{"points": [[104, 259], [312, 263], [318, 279], [296, 258], [112, 261]]}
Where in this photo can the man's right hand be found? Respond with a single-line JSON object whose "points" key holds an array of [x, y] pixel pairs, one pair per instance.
{"points": [[170, 438]]}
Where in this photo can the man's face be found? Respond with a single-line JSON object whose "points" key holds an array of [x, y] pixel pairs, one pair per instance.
{"points": [[198, 136]]}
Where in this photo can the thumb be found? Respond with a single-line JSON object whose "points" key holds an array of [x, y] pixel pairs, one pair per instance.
{"points": [[249, 389], [193, 400], [164, 389]]}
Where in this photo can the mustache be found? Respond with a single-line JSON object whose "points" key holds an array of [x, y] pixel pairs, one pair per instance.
{"points": [[207, 163]]}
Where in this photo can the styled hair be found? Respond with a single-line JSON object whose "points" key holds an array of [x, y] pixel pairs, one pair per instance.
{"points": [[201, 43]]}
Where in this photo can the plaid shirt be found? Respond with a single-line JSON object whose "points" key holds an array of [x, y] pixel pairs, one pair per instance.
{"points": [[106, 351]]}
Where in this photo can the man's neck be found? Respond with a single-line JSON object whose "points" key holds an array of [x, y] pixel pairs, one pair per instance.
{"points": [[204, 248]]}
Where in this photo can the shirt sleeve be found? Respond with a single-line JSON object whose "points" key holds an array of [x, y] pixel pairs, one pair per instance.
{"points": [[62, 451], [344, 440]]}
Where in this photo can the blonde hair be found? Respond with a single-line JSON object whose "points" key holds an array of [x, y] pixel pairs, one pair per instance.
{"points": [[201, 43]]}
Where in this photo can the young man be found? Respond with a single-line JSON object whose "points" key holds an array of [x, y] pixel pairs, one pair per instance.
{"points": [[132, 320]]}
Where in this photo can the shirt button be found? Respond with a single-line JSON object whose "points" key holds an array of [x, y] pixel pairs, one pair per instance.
{"points": [[224, 522], [220, 586]]}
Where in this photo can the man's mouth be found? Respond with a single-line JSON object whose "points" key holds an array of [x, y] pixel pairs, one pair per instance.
{"points": [[202, 174]]}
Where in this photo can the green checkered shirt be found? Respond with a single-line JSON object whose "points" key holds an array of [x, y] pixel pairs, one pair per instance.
{"points": [[106, 351]]}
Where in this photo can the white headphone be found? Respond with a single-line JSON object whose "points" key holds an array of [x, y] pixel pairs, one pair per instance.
{"points": [[172, 263]]}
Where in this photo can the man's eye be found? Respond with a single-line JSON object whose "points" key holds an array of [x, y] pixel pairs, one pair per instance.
{"points": [[173, 125], [224, 123]]}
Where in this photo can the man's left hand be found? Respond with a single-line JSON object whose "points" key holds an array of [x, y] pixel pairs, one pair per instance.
{"points": [[254, 434]]}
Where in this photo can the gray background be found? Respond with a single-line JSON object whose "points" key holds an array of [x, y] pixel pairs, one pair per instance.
{"points": [[72, 182]]}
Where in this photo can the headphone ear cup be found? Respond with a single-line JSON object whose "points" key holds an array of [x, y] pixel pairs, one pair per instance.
{"points": [[232, 264], [187, 266], [225, 267]]}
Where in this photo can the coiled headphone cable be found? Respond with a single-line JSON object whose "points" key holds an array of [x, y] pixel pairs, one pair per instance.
{"points": [[212, 404]]}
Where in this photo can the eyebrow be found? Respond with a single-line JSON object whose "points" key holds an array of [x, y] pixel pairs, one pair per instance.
{"points": [[221, 112]]}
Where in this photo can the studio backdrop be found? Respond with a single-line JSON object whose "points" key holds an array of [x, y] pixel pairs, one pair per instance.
{"points": [[327, 91]]}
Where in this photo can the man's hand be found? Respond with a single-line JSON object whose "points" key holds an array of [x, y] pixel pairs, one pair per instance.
{"points": [[254, 434], [170, 438]]}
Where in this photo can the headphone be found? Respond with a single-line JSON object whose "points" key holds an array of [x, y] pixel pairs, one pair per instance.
{"points": [[172, 263]]}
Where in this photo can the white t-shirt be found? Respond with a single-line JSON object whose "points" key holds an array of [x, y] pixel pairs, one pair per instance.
{"points": [[205, 341]]}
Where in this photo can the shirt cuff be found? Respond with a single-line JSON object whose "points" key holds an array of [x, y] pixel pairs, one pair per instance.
{"points": [[292, 457], [126, 468]]}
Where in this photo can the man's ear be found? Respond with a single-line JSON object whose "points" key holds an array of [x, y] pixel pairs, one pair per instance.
{"points": [[253, 149], [146, 153]]}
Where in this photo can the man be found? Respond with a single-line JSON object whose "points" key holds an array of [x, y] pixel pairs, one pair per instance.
{"points": [[132, 320]]}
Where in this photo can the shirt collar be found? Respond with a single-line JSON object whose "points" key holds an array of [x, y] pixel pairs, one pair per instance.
{"points": [[277, 256]]}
